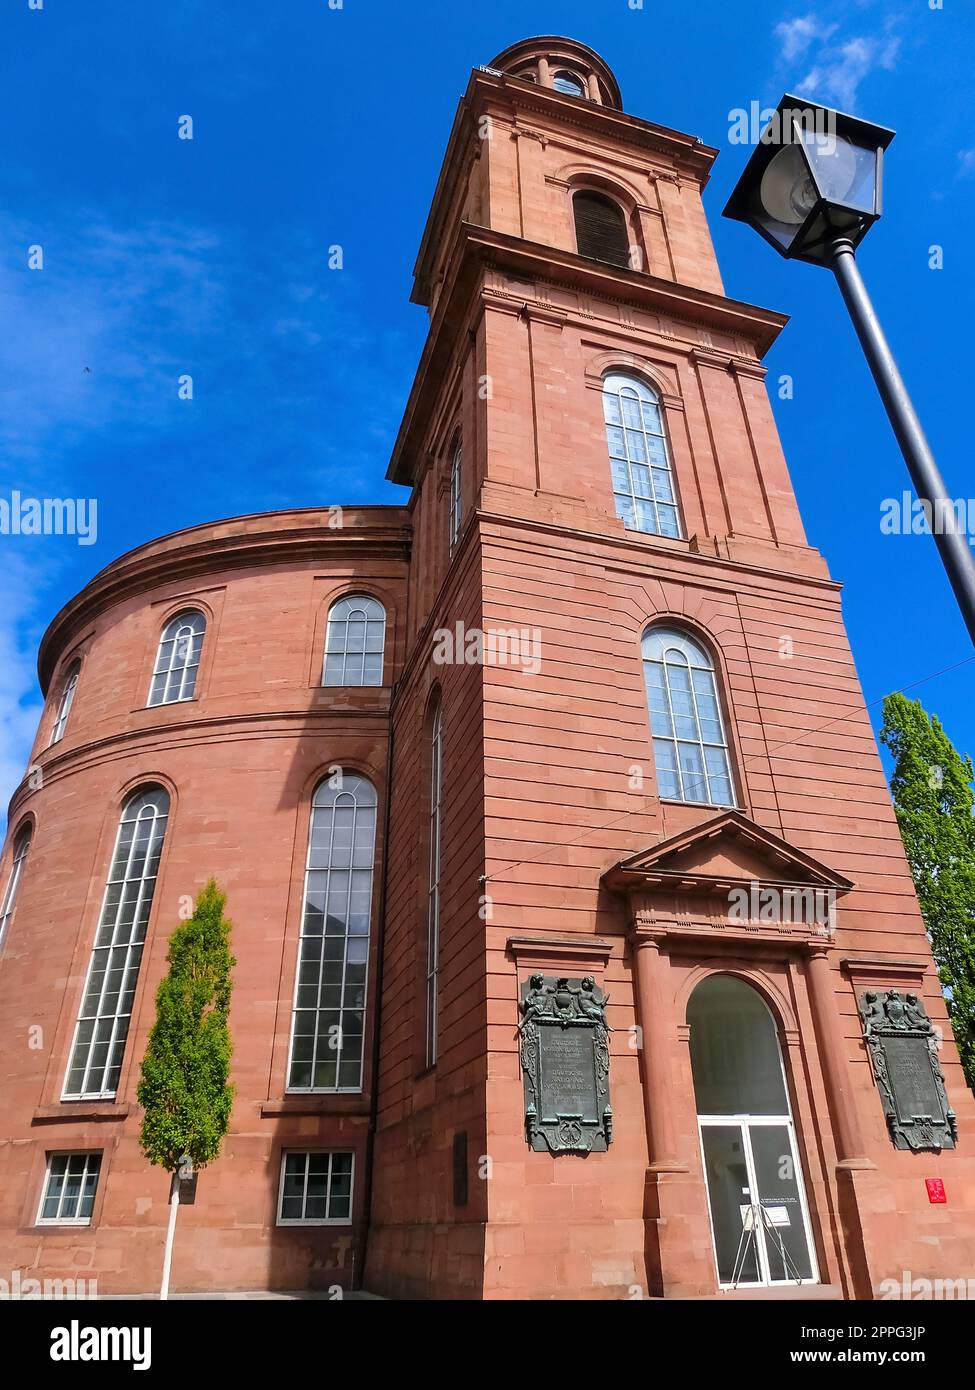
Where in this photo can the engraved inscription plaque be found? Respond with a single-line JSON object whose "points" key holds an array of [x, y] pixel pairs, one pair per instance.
{"points": [[903, 1051], [565, 1062]]}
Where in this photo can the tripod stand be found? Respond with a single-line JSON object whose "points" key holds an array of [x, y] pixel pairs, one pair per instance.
{"points": [[749, 1241]]}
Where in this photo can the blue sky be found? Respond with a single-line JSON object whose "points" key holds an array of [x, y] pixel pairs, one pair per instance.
{"points": [[316, 126]]}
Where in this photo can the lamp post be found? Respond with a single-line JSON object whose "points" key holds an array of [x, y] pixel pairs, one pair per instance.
{"points": [[812, 188]]}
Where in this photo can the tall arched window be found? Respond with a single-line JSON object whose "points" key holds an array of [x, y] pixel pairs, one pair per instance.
{"points": [[355, 642], [435, 806], [106, 1005], [67, 700], [643, 480], [333, 955], [178, 658], [759, 1219], [601, 230], [21, 850], [456, 512], [689, 744]]}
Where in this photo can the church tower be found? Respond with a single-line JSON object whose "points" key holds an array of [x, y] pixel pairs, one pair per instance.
{"points": [[633, 779]]}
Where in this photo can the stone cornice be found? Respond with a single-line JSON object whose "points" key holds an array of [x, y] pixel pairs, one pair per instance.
{"points": [[266, 538]]}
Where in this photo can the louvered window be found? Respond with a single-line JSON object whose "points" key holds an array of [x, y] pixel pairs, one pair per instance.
{"points": [[601, 231]]}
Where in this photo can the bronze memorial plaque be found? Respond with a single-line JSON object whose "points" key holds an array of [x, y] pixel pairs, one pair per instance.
{"points": [[903, 1050], [565, 1062]]}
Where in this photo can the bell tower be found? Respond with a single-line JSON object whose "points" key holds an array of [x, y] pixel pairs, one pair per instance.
{"points": [[628, 700]]}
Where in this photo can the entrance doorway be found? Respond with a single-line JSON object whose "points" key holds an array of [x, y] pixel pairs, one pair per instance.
{"points": [[756, 1197]]}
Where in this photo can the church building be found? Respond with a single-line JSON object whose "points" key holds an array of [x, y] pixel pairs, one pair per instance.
{"points": [[577, 952]]}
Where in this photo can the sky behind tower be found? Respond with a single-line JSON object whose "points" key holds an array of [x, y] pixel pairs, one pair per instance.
{"points": [[314, 127]]}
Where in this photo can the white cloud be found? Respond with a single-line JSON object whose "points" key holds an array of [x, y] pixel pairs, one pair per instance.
{"points": [[795, 35], [966, 163], [839, 70]]}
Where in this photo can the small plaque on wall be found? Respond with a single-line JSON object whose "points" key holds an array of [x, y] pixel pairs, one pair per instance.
{"points": [[903, 1051], [565, 1065]]}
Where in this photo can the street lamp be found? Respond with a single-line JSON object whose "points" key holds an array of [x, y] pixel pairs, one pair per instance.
{"points": [[812, 188]]}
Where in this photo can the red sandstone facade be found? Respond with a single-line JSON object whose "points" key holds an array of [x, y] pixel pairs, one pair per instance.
{"points": [[559, 853]]}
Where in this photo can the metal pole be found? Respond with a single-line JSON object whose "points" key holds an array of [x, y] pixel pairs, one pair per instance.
{"points": [[949, 536]]}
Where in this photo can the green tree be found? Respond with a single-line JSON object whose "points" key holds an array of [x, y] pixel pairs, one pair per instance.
{"points": [[932, 791], [185, 1084]]}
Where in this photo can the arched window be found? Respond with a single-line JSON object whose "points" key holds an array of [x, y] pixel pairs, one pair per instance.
{"points": [[434, 810], [689, 744], [568, 83], [601, 231], [178, 658], [333, 955], [21, 850], [67, 700], [643, 481], [456, 511], [759, 1218], [106, 1005], [355, 642]]}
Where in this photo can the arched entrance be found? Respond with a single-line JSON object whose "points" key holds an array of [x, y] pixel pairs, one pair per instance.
{"points": [[756, 1198]]}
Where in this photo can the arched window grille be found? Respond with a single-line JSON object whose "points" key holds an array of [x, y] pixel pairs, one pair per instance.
{"points": [[106, 1005], [67, 700], [355, 642], [643, 480], [434, 809], [456, 512], [178, 659], [601, 229], [689, 743], [21, 850], [333, 957]]}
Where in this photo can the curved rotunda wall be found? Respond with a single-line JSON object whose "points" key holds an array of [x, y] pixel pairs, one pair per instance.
{"points": [[240, 762]]}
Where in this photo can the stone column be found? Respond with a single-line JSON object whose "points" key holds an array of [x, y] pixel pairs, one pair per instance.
{"points": [[594, 92], [836, 1068], [654, 1015], [544, 73]]}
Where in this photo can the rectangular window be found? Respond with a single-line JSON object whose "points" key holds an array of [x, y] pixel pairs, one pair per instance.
{"points": [[433, 890], [69, 1189], [316, 1189], [455, 498]]}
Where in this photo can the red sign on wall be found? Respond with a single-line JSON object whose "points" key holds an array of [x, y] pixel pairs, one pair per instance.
{"points": [[936, 1190]]}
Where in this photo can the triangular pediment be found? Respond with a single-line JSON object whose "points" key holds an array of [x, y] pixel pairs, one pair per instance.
{"points": [[729, 849]]}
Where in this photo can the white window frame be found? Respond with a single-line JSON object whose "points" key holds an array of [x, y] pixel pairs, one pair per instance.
{"points": [[315, 1220], [435, 868], [130, 947], [656, 463], [21, 844], [697, 658], [456, 501], [178, 659], [87, 1155], [65, 703], [372, 614], [332, 869]]}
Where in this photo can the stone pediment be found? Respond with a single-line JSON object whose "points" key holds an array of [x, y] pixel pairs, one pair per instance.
{"points": [[727, 852]]}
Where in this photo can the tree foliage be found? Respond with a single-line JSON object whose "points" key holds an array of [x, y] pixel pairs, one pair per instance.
{"points": [[932, 792], [185, 1085]]}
